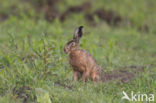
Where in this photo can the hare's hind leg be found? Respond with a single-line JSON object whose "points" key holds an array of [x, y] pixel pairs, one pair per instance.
{"points": [[76, 75], [95, 77]]}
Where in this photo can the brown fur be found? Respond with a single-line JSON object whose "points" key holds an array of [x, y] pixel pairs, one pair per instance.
{"points": [[82, 62]]}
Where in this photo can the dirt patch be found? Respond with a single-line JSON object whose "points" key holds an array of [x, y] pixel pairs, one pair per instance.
{"points": [[106, 15], [136, 68], [24, 92], [75, 9], [119, 76], [109, 16], [50, 14], [123, 75], [58, 83], [90, 18], [3, 17], [47, 7]]}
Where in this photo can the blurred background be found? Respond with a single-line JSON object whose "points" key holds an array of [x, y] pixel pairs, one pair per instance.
{"points": [[139, 14]]}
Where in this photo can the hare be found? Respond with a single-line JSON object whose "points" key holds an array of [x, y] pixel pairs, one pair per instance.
{"points": [[82, 63]]}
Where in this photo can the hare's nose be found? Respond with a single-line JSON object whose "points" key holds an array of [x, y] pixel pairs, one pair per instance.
{"points": [[64, 50]]}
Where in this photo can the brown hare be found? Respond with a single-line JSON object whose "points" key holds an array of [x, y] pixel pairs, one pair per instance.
{"points": [[82, 63]]}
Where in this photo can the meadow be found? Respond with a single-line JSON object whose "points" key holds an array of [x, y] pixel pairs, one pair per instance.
{"points": [[35, 69]]}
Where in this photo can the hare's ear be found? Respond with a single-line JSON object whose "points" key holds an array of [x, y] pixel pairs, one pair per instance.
{"points": [[78, 34]]}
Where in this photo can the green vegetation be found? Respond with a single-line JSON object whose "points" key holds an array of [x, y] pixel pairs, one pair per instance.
{"points": [[35, 69]]}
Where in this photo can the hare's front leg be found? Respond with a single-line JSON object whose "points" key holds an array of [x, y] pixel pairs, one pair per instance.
{"points": [[75, 75], [85, 76]]}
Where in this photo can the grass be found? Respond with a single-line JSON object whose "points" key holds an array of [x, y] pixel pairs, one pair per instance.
{"points": [[34, 68]]}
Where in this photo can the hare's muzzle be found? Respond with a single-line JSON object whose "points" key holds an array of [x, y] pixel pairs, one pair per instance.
{"points": [[65, 50]]}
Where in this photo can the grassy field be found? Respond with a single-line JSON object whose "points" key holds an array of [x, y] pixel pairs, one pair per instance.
{"points": [[35, 69]]}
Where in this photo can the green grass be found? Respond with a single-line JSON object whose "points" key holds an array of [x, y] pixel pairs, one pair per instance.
{"points": [[35, 69]]}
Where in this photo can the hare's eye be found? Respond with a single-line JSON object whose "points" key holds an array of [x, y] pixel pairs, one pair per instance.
{"points": [[73, 44]]}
